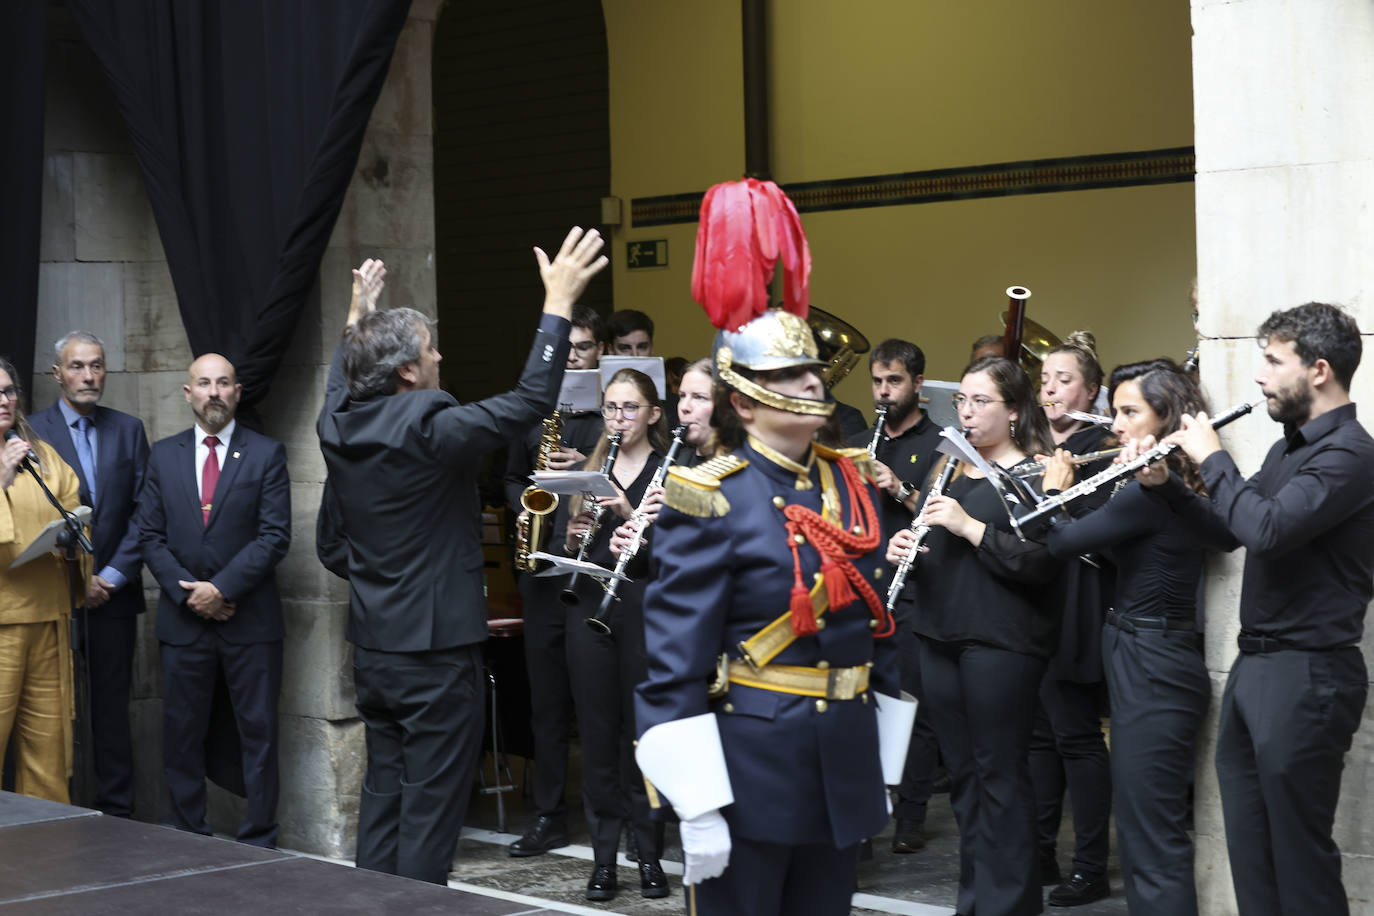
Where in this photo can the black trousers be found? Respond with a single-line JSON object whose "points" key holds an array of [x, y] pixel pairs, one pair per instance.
{"points": [[768, 879], [1067, 751], [605, 670], [923, 751], [1286, 723], [424, 713], [109, 650], [1159, 690], [252, 673], [982, 704], [551, 704]]}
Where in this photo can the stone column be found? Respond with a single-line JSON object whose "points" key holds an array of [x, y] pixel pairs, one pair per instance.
{"points": [[103, 269], [1283, 91]]}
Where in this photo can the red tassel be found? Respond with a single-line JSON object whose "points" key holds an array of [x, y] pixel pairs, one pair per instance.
{"points": [[837, 587], [803, 616]]}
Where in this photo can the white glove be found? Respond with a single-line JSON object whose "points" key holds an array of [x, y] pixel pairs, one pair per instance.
{"points": [[705, 847]]}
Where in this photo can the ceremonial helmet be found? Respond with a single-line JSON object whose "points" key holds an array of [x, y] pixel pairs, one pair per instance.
{"points": [[745, 228], [777, 339]]}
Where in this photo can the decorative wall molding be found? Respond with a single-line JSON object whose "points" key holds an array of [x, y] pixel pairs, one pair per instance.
{"points": [[1003, 179]]}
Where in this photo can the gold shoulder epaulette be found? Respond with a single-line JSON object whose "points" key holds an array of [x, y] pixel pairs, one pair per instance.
{"points": [[696, 491], [860, 456]]}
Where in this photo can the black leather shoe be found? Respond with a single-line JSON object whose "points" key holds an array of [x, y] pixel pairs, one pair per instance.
{"points": [[909, 835], [544, 834], [602, 885], [1080, 889], [652, 881]]}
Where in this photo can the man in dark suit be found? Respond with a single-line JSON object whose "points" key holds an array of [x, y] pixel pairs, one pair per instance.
{"points": [[109, 451], [214, 520], [403, 458]]}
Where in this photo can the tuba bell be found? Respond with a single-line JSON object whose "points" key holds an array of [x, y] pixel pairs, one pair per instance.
{"points": [[840, 343]]}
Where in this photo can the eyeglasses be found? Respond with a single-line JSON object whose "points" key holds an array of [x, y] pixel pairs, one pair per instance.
{"points": [[978, 403], [584, 346], [628, 411], [10, 394]]}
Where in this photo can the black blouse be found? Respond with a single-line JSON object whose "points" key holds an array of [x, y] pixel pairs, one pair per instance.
{"points": [[991, 594], [1158, 554]]}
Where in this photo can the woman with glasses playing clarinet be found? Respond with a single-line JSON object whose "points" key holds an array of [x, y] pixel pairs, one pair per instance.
{"points": [[986, 637], [1152, 644], [605, 669], [1067, 747]]}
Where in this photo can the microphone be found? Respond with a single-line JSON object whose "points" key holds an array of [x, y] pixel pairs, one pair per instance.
{"points": [[30, 458]]}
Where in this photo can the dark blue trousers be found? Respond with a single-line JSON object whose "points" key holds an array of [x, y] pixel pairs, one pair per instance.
{"points": [[252, 673]]}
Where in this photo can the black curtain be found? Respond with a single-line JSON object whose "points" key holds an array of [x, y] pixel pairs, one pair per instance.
{"points": [[23, 47], [246, 117]]}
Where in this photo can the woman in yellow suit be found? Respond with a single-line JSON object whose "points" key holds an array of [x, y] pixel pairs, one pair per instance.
{"points": [[36, 686]]}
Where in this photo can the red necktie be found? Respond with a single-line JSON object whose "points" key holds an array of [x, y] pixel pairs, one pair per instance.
{"points": [[209, 476]]}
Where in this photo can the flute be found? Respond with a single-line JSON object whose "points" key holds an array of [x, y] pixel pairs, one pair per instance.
{"points": [[920, 529], [1114, 473], [1076, 460], [883, 407], [641, 522]]}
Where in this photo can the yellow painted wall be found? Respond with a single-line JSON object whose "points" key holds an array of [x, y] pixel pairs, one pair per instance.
{"points": [[879, 86]]}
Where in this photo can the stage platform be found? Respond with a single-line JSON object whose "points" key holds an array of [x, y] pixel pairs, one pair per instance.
{"points": [[57, 860]]}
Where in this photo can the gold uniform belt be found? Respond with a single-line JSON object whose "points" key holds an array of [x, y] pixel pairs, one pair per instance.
{"points": [[826, 683]]}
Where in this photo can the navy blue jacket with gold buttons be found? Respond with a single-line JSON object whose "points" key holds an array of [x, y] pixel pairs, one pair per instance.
{"points": [[801, 771]]}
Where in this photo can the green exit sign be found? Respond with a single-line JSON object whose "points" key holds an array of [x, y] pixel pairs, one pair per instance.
{"points": [[647, 253]]}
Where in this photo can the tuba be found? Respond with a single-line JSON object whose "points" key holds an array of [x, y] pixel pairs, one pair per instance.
{"points": [[840, 343], [533, 533]]}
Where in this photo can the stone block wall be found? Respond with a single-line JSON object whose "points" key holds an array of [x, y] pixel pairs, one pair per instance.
{"points": [[1285, 170], [103, 269]]}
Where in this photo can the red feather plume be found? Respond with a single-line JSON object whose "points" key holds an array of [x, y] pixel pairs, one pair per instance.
{"points": [[745, 227]]}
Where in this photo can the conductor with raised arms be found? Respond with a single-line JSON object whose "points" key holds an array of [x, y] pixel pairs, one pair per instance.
{"points": [[404, 458]]}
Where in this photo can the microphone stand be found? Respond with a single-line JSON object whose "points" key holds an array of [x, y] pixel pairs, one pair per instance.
{"points": [[72, 540]]}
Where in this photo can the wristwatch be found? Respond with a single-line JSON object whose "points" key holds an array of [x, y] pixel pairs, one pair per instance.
{"points": [[906, 491]]}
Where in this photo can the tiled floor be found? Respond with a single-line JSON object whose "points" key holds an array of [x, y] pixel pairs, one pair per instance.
{"points": [[921, 884]]}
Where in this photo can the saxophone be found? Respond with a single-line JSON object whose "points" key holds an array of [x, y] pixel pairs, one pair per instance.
{"points": [[532, 532]]}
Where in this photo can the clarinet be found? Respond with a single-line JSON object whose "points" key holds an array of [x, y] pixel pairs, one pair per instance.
{"points": [[641, 522], [569, 594], [920, 529], [1114, 473], [883, 408]]}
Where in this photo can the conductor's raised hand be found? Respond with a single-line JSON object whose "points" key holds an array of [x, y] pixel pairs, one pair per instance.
{"points": [[569, 272], [368, 279]]}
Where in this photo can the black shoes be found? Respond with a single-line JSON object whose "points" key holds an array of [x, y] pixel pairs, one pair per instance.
{"points": [[909, 835], [544, 834], [652, 882], [1080, 889], [602, 885]]}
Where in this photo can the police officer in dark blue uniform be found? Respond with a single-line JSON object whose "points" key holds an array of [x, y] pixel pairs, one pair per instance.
{"points": [[771, 671]]}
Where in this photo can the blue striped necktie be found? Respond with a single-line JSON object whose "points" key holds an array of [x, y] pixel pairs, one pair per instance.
{"points": [[83, 454]]}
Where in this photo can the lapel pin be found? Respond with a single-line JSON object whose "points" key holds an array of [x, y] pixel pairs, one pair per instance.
{"points": [[236, 454]]}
